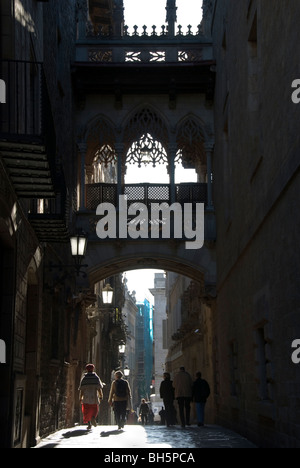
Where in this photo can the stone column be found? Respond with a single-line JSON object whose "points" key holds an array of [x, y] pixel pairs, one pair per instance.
{"points": [[172, 157], [171, 16], [209, 148], [118, 18], [119, 148], [82, 147], [82, 16]]}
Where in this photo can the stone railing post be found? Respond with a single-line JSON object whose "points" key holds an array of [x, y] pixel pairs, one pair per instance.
{"points": [[209, 148], [82, 17], [82, 147]]}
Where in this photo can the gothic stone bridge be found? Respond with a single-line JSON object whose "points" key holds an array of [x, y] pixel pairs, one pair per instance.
{"points": [[106, 257]]}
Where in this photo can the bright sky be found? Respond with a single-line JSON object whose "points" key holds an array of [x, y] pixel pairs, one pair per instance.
{"points": [[149, 13], [153, 12], [158, 175], [140, 281]]}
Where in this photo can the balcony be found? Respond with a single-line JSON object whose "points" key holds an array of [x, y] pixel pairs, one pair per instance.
{"points": [[143, 46], [48, 217], [125, 62], [144, 193], [27, 138]]}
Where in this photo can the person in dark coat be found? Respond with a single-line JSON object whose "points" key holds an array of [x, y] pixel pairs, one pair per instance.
{"points": [[201, 392], [144, 412], [167, 394]]}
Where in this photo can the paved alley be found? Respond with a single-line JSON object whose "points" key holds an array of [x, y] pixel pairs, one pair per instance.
{"points": [[149, 437]]}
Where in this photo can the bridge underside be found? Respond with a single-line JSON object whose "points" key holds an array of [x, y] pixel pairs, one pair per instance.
{"points": [[109, 257]]}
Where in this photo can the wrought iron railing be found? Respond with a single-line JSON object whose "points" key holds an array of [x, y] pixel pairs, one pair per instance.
{"points": [[27, 111], [152, 52], [145, 193], [143, 45]]}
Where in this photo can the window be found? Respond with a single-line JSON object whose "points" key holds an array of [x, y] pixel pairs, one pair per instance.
{"points": [[233, 367], [263, 363]]}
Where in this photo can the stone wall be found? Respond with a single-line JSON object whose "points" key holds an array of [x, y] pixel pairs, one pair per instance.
{"points": [[256, 175]]}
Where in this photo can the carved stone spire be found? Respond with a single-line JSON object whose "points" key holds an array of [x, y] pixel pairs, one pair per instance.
{"points": [[171, 16], [118, 18]]}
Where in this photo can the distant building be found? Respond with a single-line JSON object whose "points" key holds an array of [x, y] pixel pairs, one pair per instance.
{"points": [[130, 311], [159, 328], [144, 347]]}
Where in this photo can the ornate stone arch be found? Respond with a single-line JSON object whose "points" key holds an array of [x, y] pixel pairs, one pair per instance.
{"points": [[190, 139], [142, 122], [100, 133]]}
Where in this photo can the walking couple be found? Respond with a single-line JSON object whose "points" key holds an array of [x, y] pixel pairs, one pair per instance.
{"points": [[91, 395]]}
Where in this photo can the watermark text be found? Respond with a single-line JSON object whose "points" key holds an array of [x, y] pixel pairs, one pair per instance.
{"points": [[2, 92], [296, 94], [2, 352], [160, 221], [296, 354]]}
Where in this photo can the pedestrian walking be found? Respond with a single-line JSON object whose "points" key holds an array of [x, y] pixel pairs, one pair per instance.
{"points": [[201, 392], [162, 415], [120, 398], [166, 391], [90, 396], [144, 412], [183, 384]]}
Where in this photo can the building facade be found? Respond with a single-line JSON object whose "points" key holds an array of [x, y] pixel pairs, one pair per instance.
{"points": [[159, 328], [84, 99], [144, 348], [256, 175]]}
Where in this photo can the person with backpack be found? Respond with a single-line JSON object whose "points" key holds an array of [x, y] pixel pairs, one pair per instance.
{"points": [[201, 392], [119, 396]]}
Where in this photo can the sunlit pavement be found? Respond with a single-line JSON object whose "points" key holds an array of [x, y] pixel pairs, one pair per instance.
{"points": [[149, 437]]}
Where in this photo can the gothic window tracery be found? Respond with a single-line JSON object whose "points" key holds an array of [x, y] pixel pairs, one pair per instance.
{"points": [[147, 151], [143, 123], [104, 165], [190, 141]]}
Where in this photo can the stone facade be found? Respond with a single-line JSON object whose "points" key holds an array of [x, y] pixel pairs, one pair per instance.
{"points": [[256, 174], [159, 328], [223, 97]]}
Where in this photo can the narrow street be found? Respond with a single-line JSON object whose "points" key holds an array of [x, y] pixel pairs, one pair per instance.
{"points": [[149, 225], [149, 437]]}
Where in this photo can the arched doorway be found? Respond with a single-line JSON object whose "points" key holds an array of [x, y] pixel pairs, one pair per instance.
{"points": [[183, 332]]}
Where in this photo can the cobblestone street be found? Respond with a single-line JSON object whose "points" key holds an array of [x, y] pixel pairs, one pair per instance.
{"points": [[149, 437]]}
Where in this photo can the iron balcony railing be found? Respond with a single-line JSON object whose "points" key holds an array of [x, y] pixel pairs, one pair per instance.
{"points": [[27, 112], [145, 193]]}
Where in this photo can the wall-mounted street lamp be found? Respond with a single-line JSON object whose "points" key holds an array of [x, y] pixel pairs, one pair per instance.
{"points": [[107, 294], [78, 250], [126, 371], [78, 244], [122, 349]]}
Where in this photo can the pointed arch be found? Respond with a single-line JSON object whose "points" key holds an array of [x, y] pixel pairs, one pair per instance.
{"points": [[142, 121], [190, 138], [100, 133]]}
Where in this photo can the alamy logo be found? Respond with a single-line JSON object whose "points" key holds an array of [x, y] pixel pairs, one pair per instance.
{"points": [[2, 352], [296, 354], [2, 92], [188, 223]]}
